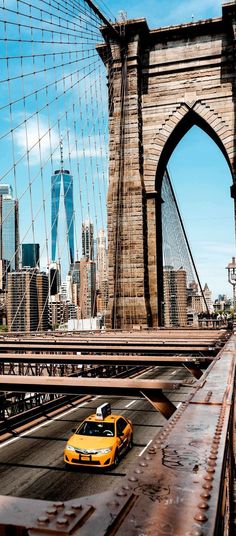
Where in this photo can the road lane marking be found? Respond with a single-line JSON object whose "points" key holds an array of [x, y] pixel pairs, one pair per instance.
{"points": [[130, 404], [142, 451], [35, 428]]}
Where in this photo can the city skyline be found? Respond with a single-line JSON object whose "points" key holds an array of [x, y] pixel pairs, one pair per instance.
{"points": [[198, 170]]}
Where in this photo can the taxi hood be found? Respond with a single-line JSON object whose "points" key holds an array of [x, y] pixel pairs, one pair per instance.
{"points": [[91, 442]]}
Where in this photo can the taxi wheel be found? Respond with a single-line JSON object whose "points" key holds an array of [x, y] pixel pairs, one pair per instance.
{"points": [[68, 467], [116, 459]]}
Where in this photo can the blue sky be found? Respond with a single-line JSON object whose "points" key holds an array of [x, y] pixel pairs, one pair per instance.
{"points": [[166, 12], [198, 170]]}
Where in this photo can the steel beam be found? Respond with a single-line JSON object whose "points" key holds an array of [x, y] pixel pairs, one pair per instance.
{"points": [[74, 386], [160, 402], [98, 348], [72, 359], [194, 370]]}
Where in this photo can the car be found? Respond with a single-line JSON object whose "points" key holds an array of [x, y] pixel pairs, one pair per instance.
{"points": [[100, 440]]}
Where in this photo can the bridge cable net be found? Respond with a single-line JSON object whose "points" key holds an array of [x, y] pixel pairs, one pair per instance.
{"points": [[54, 157], [177, 254]]}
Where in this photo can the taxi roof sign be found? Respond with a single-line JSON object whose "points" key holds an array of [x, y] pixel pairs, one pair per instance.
{"points": [[103, 411]]}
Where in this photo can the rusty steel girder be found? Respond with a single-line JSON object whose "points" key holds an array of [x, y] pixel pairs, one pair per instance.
{"points": [[41, 363], [150, 389], [108, 348], [181, 486]]}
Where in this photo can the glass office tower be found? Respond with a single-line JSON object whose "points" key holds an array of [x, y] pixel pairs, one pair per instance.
{"points": [[62, 179], [88, 240], [30, 255], [9, 227]]}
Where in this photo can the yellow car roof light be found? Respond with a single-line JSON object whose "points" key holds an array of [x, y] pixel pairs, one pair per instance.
{"points": [[103, 411]]}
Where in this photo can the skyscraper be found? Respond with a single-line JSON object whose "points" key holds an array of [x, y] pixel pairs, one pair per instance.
{"points": [[27, 300], [54, 276], [30, 255], [9, 227], [62, 179], [87, 288], [102, 272], [175, 296], [87, 240]]}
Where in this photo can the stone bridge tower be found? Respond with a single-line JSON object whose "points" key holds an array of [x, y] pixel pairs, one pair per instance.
{"points": [[161, 83]]}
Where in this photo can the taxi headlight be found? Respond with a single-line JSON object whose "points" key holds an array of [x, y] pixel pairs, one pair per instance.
{"points": [[69, 447], [104, 451]]}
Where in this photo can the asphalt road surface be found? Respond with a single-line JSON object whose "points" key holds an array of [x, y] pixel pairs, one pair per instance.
{"points": [[32, 465]]}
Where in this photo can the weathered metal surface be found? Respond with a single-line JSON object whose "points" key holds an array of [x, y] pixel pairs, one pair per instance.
{"points": [[148, 349], [67, 385], [73, 359], [160, 402], [176, 488]]}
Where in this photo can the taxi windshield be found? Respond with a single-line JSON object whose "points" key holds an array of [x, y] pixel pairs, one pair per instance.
{"points": [[103, 429]]}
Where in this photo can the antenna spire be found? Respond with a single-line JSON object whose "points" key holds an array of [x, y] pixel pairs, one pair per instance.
{"points": [[61, 150]]}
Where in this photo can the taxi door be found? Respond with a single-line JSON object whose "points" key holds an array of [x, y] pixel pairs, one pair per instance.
{"points": [[122, 434]]}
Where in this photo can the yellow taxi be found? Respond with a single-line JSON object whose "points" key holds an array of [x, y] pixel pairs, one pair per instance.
{"points": [[100, 440]]}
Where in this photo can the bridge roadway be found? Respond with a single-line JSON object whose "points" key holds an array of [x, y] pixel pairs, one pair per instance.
{"points": [[32, 466], [179, 484]]}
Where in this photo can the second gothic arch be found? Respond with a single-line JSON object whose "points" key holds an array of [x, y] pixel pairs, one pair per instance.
{"points": [[177, 125]]}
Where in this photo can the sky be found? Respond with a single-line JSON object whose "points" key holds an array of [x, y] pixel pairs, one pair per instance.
{"points": [[67, 96]]}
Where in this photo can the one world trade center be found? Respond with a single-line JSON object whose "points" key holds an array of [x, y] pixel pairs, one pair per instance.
{"points": [[62, 179]]}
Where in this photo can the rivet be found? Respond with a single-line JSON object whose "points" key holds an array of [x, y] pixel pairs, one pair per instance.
{"points": [[126, 487], [121, 493], [51, 511], [59, 504], [62, 521], [196, 532], [207, 485], [208, 477], [152, 450], [210, 470], [147, 458], [205, 495], [138, 471], [43, 519], [133, 479], [143, 464], [213, 456], [211, 463], [200, 516], [69, 513], [77, 506], [203, 505]]}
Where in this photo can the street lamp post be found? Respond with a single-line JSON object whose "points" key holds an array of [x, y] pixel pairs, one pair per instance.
{"points": [[232, 278]]}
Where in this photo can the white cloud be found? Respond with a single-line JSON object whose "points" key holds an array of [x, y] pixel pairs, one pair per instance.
{"points": [[34, 137]]}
